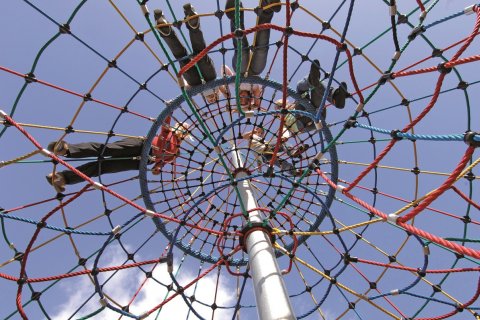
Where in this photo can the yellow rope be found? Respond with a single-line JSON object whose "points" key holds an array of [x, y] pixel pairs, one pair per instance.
{"points": [[26, 156], [460, 176]]}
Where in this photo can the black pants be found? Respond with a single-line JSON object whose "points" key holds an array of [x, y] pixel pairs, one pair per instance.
{"points": [[206, 66], [125, 148], [260, 52]]}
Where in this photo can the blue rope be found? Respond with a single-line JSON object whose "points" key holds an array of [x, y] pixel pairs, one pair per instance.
{"points": [[428, 137], [455, 15]]}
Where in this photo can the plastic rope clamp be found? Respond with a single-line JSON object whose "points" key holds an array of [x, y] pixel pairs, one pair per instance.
{"points": [[393, 10], [103, 302], [181, 82], [97, 185], [116, 230], [143, 315], [426, 250], [396, 56], [392, 218], [340, 188], [415, 32], [249, 114], [319, 125], [45, 152], [149, 213], [423, 15], [469, 10], [3, 114], [360, 107], [395, 292], [319, 156], [170, 263]]}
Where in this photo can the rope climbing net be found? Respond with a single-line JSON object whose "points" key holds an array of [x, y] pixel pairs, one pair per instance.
{"points": [[372, 212]]}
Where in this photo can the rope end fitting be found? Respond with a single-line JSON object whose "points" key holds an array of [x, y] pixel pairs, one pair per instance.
{"points": [[45, 152], [116, 230], [144, 8], [423, 15], [170, 263], [340, 188], [249, 114], [393, 10], [469, 10], [319, 125], [415, 32], [360, 107], [3, 115]]}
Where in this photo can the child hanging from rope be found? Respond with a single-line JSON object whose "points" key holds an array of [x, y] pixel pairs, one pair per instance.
{"points": [[165, 148], [205, 65], [257, 143], [312, 89]]}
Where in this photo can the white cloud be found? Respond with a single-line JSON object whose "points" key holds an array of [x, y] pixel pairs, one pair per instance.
{"points": [[123, 285]]}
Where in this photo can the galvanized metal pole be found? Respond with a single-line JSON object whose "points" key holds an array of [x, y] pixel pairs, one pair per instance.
{"points": [[271, 295]]}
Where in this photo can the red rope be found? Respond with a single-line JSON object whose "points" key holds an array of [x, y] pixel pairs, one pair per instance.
{"points": [[420, 5], [440, 190], [435, 271], [464, 197]]}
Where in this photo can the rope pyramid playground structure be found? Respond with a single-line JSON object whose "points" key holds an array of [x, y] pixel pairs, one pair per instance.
{"points": [[371, 214]]}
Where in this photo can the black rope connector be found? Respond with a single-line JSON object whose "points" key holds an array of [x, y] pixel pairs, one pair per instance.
{"points": [[69, 129], [22, 280], [442, 69], [140, 36], [288, 31], [112, 64], [255, 225], [392, 259], [386, 77], [462, 85], [87, 97], [402, 19], [294, 5], [436, 288], [239, 33], [30, 77], [36, 295], [143, 86], [415, 32], [405, 102], [394, 134], [18, 256], [326, 25], [469, 138], [64, 29], [437, 52], [415, 171], [357, 51], [469, 176], [373, 285], [219, 14], [421, 273], [41, 224], [350, 123], [342, 47], [351, 305]]}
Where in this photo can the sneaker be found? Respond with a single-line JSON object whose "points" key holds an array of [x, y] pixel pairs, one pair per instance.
{"points": [[276, 8], [314, 75], [340, 95], [160, 20], [60, 148], [230, 9], [189, 10], [57, 181]]}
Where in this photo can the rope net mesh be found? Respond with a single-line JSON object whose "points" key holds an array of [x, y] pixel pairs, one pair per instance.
{"points": [[371, 208]]}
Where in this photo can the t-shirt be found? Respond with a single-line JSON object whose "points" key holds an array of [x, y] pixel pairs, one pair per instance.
{"points": [[165, 147]]}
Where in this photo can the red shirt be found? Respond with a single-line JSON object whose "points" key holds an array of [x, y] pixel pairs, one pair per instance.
{"points": [[165, 147]]}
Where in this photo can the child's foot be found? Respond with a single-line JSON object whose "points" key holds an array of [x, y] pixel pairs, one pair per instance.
{"points": [[314, 75], [340, 95], [160, 20], [276, 8], [60, 148], [57, 181], [193, 23]]}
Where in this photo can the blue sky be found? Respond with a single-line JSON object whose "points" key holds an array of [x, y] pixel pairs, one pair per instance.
{"points": [[104, 30]]}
